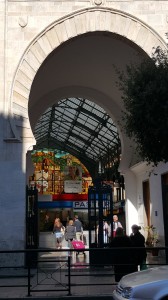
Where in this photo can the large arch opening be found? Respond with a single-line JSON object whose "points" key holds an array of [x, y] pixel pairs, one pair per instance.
{"points": [[84, 67], [77, 24], [75, 57]]}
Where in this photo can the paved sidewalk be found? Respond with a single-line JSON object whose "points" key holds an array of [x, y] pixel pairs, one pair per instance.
{"points": [[50, 279]]}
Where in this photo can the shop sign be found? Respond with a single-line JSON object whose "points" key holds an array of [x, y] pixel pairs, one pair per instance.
{"points": [[70, 197], [80, 204]]}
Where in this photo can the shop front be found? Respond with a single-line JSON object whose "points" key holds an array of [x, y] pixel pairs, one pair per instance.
{"points": [[64, 207]]}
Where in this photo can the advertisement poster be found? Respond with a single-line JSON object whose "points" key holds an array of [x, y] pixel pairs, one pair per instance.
{"points": [[73, 179]]}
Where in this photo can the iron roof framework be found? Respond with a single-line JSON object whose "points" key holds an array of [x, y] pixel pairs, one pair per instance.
{"points": [[80, 127]]}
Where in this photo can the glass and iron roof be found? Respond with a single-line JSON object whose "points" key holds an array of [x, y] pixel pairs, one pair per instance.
{"points": [[77, 126]]}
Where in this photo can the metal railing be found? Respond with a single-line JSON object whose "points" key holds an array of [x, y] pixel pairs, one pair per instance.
{"points": [[63, 272]]}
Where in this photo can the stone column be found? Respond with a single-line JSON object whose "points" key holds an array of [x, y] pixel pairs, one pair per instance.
{"points": [[13, 199], [131, 210]]}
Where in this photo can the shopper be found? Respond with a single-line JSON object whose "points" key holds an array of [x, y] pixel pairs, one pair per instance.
{"points": [[79, 228], [106, 232], [70, 233], [58, 230], [123, 256]]}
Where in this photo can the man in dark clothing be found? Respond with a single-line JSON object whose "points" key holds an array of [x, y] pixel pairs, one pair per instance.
{"points": [[122, 259], [139, 241], [79, 228]]}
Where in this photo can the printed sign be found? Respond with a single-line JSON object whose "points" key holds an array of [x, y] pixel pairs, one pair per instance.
{"points": [[73, 179], [72, 186], [80, 204]]}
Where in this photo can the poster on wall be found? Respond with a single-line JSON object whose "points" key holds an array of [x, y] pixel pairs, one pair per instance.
{"points": [[72, 179]]}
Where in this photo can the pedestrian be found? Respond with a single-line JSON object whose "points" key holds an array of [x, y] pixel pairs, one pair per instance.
{"points": [[106, 232], [116, 224], [58, 230], [79, 228], [122, 254], [47, 217], [138, 240], [47, 222], [70, 233]]}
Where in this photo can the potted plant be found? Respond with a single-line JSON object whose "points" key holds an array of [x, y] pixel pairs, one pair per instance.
{"points": [[152, 238]]}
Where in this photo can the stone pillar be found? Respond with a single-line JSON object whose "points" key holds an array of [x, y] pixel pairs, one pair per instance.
{"points": [[131, 210], [29, 167], [13, 200]]}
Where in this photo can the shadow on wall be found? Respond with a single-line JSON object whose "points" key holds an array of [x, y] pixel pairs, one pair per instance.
{"points": [[13, 192]]}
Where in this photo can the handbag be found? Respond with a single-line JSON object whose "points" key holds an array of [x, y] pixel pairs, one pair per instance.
{"points": [[63, 230], [58, 235]]}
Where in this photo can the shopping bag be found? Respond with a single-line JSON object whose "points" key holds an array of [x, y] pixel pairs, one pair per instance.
{"points": [[78, 245]]}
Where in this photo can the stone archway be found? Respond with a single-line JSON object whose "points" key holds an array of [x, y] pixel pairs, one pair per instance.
{"points": [[75, 24]]}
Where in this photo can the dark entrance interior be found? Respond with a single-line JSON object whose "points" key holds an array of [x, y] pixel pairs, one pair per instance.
{"points": [[146, 198]]}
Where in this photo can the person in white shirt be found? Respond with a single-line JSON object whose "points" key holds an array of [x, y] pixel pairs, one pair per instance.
{"points": [[106, 231], [116, 224]]}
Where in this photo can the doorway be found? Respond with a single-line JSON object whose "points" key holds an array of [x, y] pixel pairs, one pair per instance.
{"points": [[165, 208], [146, 198]]}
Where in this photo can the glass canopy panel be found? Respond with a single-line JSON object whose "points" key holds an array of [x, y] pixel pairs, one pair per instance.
{"points": [[79, 125]]}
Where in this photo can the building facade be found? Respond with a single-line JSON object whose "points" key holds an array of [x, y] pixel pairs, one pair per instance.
{"points": [[56, 49]]}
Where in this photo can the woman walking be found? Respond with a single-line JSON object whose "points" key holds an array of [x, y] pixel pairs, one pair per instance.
{"points": [[70, 233], [58, 230]]}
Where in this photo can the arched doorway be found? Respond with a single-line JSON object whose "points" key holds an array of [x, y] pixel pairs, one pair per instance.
{"points": [[75, 56]]}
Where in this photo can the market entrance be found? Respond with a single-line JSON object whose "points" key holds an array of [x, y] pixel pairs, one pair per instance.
{"points": [[73, 56], [89, 74], [84, 125]]}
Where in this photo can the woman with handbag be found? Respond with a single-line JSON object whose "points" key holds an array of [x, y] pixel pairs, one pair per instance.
{"points": [[58, 230]]}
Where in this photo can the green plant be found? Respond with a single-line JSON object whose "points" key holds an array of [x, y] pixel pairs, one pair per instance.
{"points": [[152, 236], [144, 92]]}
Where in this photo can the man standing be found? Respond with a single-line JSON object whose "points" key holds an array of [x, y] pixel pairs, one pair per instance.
{"points": [[79, 228]]}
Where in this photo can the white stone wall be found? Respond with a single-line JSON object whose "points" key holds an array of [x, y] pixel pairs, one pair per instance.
{"points": [[20, 23], [26, 19], [153, 174]]}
